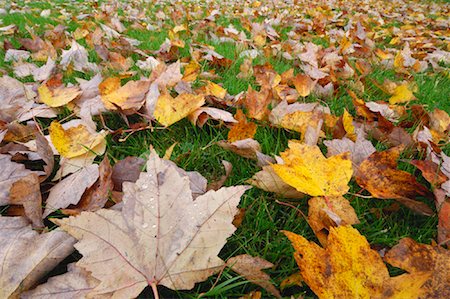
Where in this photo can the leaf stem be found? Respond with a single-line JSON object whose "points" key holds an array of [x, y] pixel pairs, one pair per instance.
{"points": [[155, 290]]}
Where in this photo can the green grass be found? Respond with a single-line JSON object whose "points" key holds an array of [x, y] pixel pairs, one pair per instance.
{"points": [[259, 234]]}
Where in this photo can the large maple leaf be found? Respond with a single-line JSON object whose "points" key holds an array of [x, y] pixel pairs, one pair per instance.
{"points": [[162, 236], [349, 268]]}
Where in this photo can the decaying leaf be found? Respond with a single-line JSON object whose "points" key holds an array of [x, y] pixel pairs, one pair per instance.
{"points": [[421, 259], [327, 212], [161, 237], [251, 268], [379, 175], [27, 192], [97, 195], [28, 256], [11, 173], [306, 169], [243, 129], [349, 268]]}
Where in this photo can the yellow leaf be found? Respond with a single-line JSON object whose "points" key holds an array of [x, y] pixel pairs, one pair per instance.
{"points": [[59, 96], [129, 96], [191, 71], [327, 212], [349, 268], [75, 141], [299, 121], [169, 110], [215, 90], [306, 169], [243, 129], [402, 94], [303, 84], [347, 120]]}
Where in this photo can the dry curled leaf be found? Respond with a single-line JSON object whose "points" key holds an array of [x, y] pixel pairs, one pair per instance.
{"points": [[71, 189], [162, 236], [251, 268], [28, 256]]}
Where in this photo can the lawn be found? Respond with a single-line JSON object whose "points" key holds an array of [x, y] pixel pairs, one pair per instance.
{"points": [[389, 27]]}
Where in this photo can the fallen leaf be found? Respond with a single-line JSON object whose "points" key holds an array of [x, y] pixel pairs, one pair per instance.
{"points": [[419, 259], [269, 181], [28, 256], [430, 171], [46, 153], [160, 237], [257, 103], [247, 148], [402, 94], [443, 229], [304, 84], [59, 96], [215, 90], [11, 173], [243, 129], [27, 192], [359, 150], [306, 169], [216, 185], [327, 212], [251, 268], [76, 283], [130, 96], [95, 197], [349, 268], [126, 170], [295, 279], [69, 190], [201, 116], [347, 121], [379, 175], [169, 110], [74, 141]]}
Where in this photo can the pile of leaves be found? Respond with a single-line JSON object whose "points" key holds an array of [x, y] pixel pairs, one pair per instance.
{"points": [[144, 221]]}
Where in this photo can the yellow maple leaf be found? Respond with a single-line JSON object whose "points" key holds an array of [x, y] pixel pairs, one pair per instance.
{"points": [[169, 110], [349, 268], [402, 94], [306, 169]]}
